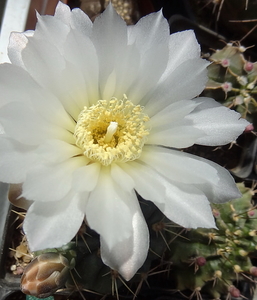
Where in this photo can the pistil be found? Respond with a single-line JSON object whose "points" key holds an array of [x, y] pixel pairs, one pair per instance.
{"points": [[111, 130]]}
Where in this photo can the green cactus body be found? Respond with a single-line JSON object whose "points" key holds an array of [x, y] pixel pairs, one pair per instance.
{"points": [[236, 76], [226, 250]]}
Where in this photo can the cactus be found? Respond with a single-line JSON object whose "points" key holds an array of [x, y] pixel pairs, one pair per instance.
{"points": [[198, 261], [211, 261], [232, 73]]}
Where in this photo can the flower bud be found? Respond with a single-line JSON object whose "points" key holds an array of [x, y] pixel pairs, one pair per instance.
{"points": [[45, 275]]}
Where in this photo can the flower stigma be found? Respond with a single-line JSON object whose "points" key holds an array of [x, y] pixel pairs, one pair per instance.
{"points": [[112, 131]]}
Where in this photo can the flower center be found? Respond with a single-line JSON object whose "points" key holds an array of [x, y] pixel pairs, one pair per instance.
{"points": [[112, 130]]}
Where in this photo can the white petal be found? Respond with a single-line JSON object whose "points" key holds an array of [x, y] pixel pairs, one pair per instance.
{"points": [[76, 18], [170, 128], [15, 160], [184, 204], [126, 71], [105, 201], [178, 166], [130, 254], [123, 71], [177, 136], [178, 86], [1, 129], [148, 183], [110, 38], [51, 30], [27, 126], [148, 74], [31, 93], [220, 124], [17, 42], [80, 51], [44, 62], [47, 65], [124, 234], [187, 206], [151, 36], [81, 22], [44, 58], [122, 178], [63, 12], [24, 85], [149, 31], [182, 46], [222, 191], [86, 178], [55, 151], [50, 182], [50, 225], [173, 113], [109, 24], [73, 91]]}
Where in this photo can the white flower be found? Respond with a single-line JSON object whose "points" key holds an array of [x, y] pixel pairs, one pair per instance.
{"points": [[89, 111]]}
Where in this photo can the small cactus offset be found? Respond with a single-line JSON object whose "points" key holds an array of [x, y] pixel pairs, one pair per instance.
{"points": [[232, 73]]}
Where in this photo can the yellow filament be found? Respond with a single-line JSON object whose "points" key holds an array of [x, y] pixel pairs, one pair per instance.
{"points": [[113, 130]]}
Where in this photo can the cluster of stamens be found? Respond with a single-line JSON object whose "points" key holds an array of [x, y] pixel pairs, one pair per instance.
{"points": [[113, 130]]}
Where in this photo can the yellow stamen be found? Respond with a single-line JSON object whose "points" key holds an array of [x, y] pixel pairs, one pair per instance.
{"points": [[112, 130]]}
